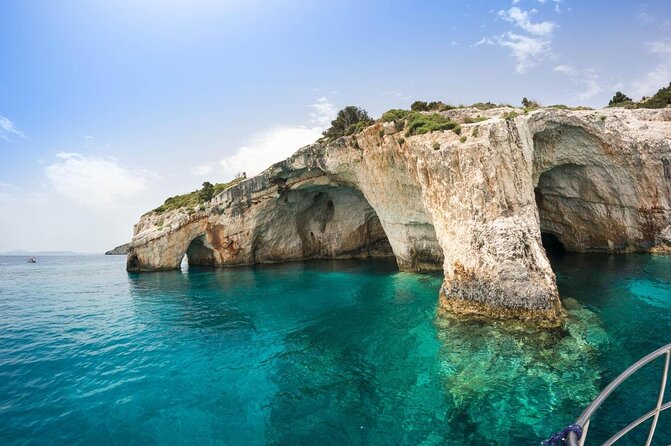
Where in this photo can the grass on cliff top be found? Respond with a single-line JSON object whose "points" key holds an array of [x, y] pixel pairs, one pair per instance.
{"points": [[196, 198]]}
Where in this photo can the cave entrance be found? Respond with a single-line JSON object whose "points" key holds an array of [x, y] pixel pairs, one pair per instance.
{"points": [[580, 199], [552, 245], [199, 252], [338, 222]]}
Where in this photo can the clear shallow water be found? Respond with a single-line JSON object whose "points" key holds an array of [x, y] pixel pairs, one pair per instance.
{"points": [[316, 353]]}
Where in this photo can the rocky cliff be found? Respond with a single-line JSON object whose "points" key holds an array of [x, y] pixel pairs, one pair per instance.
{"points": [[473, 205]]}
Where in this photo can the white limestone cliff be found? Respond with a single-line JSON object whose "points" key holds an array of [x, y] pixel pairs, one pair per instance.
{"points": [[472, 205]]}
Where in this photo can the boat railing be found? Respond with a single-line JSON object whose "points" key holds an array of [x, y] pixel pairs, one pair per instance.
{"points": [[585, 418]]}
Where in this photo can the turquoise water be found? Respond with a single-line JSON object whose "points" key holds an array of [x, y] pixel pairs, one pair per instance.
{"points": [[316, 353]]}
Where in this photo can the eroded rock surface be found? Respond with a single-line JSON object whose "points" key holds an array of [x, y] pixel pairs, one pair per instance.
{"points": [[597, 180]]}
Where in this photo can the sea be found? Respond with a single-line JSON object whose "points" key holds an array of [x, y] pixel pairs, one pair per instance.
{"points": [[317, 353]]}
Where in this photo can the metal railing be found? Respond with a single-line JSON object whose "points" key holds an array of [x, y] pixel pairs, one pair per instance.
{"points": [[586, 416]]}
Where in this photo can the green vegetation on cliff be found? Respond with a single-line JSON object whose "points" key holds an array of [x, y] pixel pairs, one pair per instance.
{"points": [[349, 121], [418, 123], [194, 199], [660, 99]]}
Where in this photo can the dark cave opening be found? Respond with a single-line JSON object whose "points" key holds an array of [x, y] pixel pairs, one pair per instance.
{"points": [[553, 246], [200, 253]]}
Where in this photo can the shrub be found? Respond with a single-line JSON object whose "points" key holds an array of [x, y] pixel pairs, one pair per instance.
{"points": [[602, 117], [619, 98], [457, 130], [419, 106], [462, 139], [349, 121], [475, 133], [659, 100], [193, 199], [470, 120], [419, 123], [510, 115], [436, 145], [381, 133], [401, 141], [394, 115], [530, 104], [485, 105]]}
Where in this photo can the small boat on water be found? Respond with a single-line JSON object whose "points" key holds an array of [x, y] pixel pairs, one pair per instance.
{"points": [[32, 260]]}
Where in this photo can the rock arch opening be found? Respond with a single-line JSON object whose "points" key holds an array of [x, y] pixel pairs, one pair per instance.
{"points": [[582, 202], [320, 222], [200, 252]]}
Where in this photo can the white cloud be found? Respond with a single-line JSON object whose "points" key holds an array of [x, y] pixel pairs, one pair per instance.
{"points": [[483, 41], [8, 129], [323, 113], [522, 19], [527, 51], [588, 81], [95, 182], [202, 169], [279, 142], [660, 75], [566, 69], [267, 148]]}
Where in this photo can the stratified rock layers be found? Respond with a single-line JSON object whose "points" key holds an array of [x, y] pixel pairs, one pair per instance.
{"points": [[597, 180]]}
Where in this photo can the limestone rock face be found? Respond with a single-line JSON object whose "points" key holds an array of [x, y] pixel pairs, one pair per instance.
{"points": [[475, 209]]}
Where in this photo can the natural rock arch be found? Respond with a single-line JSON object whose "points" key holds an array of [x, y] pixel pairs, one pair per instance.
{"points": [[200, 252], [475, 204], [593, 195]]}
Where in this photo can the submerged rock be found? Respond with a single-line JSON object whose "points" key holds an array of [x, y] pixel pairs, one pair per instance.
{"points": [[473, 206]]}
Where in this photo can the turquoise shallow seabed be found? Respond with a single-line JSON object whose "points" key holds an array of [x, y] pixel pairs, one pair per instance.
{"points": [[326, 353]]}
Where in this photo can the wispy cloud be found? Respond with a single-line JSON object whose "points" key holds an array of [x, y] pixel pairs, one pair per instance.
{"points": [[280, 141], [483, 41], [529, 48], [323, 112], [9, 130], [522, 19], [95, 182], [587, 80], [527, 51], [202, 169], [660, 75], [267, 148]]}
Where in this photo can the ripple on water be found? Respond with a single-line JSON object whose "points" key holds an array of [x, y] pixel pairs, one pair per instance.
{"points": [[314, 353]]}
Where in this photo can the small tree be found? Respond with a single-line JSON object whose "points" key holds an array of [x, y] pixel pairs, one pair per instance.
{"points": [[619, 98], [349, 120], [207, 192], [529, 103], [419, 106]]}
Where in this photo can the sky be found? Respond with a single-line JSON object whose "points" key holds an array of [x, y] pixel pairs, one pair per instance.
{"points": [[107, 108]]}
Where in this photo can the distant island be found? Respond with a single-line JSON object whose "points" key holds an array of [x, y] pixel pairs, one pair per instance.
{"points": [[22, 252]]}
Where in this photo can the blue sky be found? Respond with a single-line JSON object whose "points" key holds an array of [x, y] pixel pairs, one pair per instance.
{"points": [[106, 108]]}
